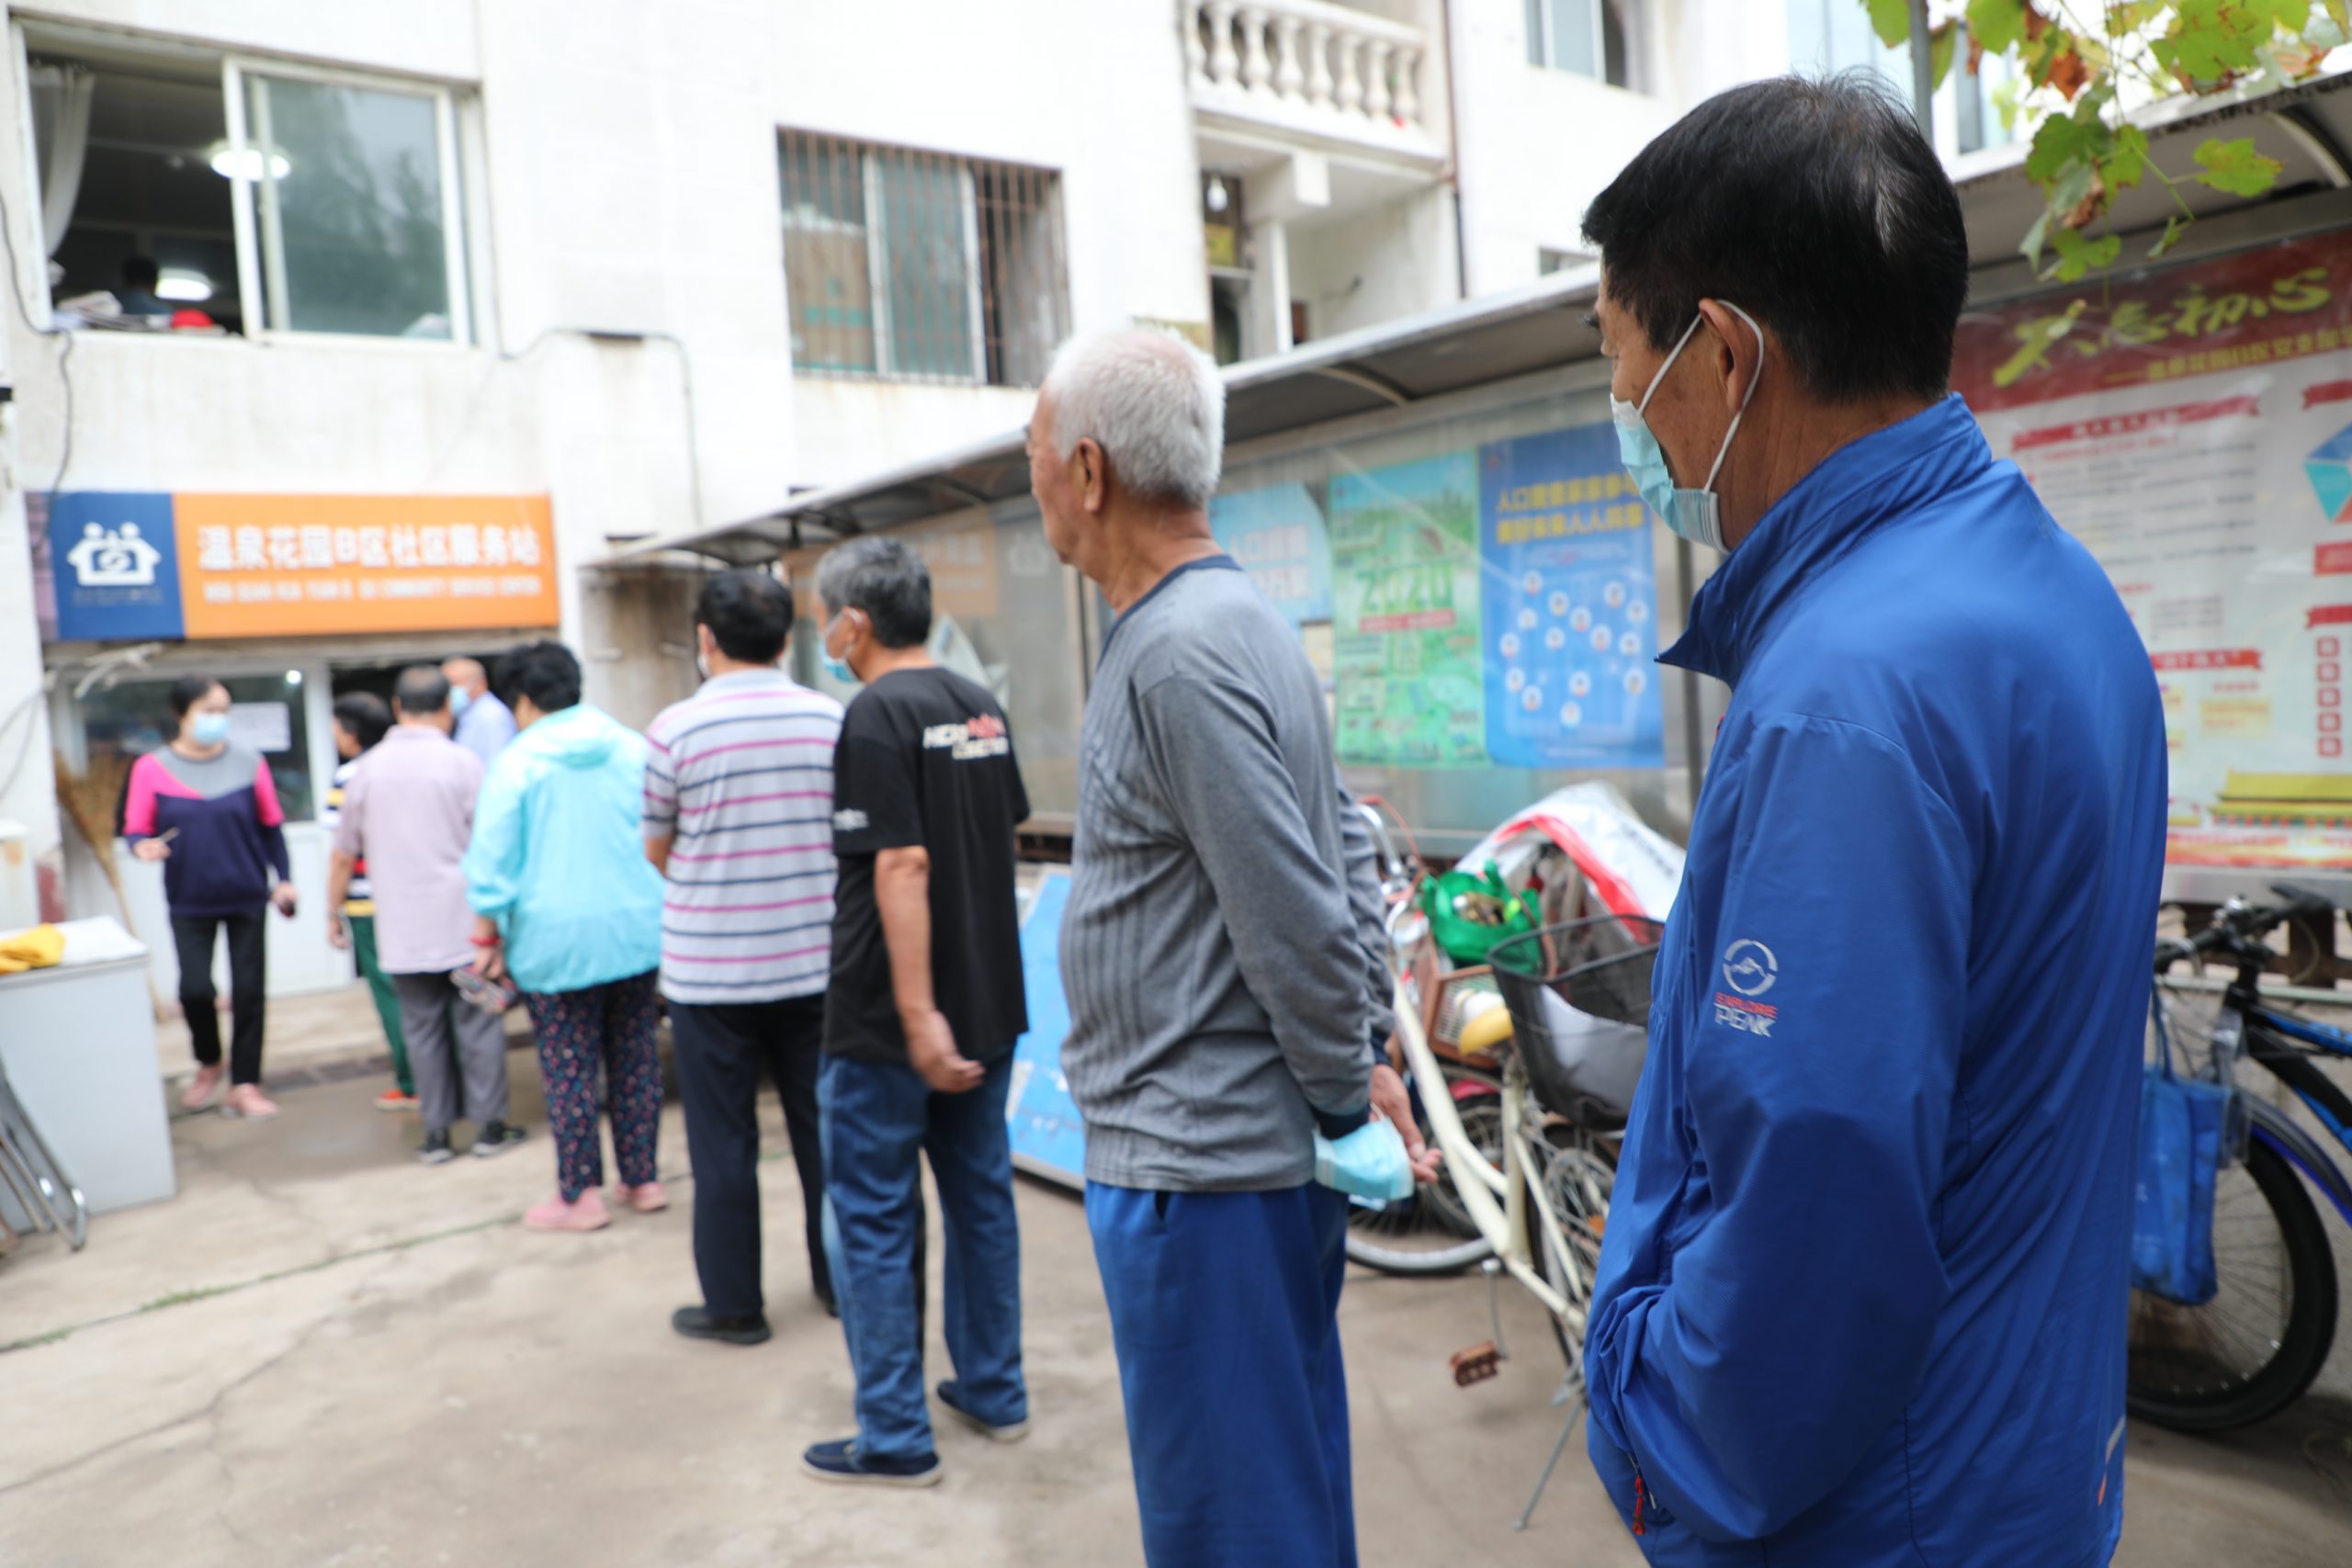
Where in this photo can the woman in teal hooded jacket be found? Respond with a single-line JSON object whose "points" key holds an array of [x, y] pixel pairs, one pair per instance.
{"points": [[566, 904]]}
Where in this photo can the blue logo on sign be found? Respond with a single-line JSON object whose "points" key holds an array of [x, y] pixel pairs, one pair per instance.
{"points": [[116, 565]]}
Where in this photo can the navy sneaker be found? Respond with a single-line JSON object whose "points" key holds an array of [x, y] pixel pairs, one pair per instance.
{"points": [[841, 1462], [497, 1138], [1011, 1432], [435, 1149], [701, 1322]]}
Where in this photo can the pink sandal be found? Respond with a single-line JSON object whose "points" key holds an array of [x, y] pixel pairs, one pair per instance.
{"points": [[586, 1213], [649, 1198], [247, 1100], [204, 1090]]}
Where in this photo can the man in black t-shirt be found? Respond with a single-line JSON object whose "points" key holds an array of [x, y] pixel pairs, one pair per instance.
{"points": [[921, 1014]]}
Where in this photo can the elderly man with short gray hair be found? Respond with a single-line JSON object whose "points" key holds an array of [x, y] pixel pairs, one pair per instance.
{"points": [[923, 1009], [1223, 984]]}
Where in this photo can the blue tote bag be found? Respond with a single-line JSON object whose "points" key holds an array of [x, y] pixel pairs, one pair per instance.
{"points": [[2183, 1134]]}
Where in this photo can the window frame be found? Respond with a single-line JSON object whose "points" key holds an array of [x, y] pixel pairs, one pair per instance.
{"points": [[1545, 51], [261, 258], [872, 157], [453, 128]]}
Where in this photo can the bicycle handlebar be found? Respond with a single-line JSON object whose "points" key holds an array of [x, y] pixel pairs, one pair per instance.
{"points": [[2239, 927]]}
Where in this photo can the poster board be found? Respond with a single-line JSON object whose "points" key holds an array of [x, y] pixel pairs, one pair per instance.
{"points": [[2192, 426], [1490, 607], [1048, 1136]]}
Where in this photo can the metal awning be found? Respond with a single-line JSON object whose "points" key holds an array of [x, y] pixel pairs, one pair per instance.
{"points": [[1540, 327], [1398, 363]]}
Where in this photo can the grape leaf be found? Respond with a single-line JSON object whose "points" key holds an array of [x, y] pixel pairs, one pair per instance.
{"points": [[2063, 139], [1996, 24], [1942, 41], [1891, 19], [2235, 167], [2124, 167], [2077, 255]]}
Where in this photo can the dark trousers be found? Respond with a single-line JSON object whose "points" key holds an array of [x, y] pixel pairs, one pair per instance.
{"points": [[723, 1052], [1224, 1316], [248, 982]]}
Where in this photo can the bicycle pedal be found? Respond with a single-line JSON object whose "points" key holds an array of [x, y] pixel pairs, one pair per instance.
{"points": [[1477, 1363]]}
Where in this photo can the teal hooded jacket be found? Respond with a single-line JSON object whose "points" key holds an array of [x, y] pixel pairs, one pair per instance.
{"points": [[558, 857]]}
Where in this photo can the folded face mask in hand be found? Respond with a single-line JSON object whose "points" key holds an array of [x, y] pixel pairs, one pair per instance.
{"points": [[1369, 1163]]}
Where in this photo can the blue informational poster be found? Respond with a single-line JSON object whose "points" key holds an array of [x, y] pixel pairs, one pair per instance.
{"points": [[1277, 535], [1571, 605], [1048, 1138]]}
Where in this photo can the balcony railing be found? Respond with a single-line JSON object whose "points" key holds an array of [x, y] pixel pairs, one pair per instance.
{"points": [[1307, 64]]}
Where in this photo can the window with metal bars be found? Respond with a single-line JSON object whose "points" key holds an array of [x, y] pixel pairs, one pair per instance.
{"points": [[920, 266]]}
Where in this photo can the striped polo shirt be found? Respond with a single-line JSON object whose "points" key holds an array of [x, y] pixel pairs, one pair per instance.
{"points": [[741, 777]]}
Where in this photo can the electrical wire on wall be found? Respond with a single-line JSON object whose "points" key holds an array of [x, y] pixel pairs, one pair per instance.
{"points": [[65, 348]]}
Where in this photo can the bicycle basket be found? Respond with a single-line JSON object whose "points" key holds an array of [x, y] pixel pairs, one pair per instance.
{"points": [[1579, 1001]]}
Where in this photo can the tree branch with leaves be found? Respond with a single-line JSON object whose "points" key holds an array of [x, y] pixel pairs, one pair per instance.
{"points": [[2089, 66]]}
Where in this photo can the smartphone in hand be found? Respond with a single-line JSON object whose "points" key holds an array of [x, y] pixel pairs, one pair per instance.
{"points": [[491, 996]]}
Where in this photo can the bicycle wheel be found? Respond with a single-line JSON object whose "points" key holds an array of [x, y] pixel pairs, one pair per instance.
{"points": [[1577, 1181], [1431, 1232], [2256, 1346]]}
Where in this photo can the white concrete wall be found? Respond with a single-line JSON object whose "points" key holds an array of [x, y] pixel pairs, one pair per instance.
{"points": [[27, 793], [624, 159], [1091, 88], [1534, 145], [624, 235], [1394, 261]]}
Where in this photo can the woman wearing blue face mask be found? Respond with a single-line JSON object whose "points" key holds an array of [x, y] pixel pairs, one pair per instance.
{"points": [[207, 809]]}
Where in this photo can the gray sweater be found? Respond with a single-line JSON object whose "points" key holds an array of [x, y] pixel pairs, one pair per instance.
{"points": [[1221, 949]]}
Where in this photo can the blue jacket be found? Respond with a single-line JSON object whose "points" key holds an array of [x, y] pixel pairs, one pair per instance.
{"points": [[558, 859], [1862, 1297]]}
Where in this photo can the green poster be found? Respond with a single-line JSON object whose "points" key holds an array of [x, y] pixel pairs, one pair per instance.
{"points": [[1404, 590]]}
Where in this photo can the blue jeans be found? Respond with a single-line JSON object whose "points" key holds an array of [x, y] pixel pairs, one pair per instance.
{"points": [[1224, 1314], [878, 1119]]}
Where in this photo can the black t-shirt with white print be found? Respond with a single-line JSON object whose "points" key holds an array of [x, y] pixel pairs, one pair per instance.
{"points": [[926, 758]]}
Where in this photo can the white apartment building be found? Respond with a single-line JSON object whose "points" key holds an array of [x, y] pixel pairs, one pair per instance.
{"points": [[460, 296]]}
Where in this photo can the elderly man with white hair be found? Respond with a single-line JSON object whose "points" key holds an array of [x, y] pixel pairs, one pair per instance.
{"points": [[1223, 977]]}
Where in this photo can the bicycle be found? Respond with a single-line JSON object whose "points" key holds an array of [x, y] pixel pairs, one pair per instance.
{"points": [[1430, 1232], [2258, 1344], [1539, 1207]]}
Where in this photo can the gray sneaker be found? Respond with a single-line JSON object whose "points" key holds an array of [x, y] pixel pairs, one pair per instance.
{"points": [[435, 1149], [495, 1138]]}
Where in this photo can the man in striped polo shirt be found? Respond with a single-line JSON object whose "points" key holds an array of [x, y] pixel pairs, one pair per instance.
{"points": [[739, 788]]}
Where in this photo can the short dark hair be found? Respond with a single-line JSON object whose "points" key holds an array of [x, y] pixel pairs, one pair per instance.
{"points": [[749, 614], [188, 691], [141, 271], [544, 671], [364, 716], [1816, 207], [887, 581], [421, 689]]}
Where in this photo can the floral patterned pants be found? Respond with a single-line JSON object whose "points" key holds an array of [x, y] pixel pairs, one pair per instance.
{"points": [[612, 1024]]}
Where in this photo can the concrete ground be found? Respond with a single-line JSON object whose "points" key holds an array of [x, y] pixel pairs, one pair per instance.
{"points": [[321, 1353]]}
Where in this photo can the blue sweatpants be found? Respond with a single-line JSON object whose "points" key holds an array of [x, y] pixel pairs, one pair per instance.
{"points": [[1224, 1314]]}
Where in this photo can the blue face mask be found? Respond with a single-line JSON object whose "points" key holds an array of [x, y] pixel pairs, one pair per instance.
{"points": [[459, 698], [210, 729], [1692, 514], [837, 667]]}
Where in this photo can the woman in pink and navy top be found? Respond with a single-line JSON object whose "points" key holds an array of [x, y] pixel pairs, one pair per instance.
{"points": [[209, 810]]}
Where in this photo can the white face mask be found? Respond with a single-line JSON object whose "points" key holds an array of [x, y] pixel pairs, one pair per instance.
{"points": [[1693, 513]]}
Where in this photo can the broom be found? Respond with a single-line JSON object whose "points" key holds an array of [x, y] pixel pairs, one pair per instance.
{"points": [[88, 800]]}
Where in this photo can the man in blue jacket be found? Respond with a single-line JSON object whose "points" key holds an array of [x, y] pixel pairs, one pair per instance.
{"points": [[1862, 1300]]}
